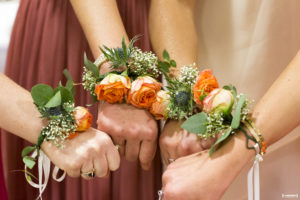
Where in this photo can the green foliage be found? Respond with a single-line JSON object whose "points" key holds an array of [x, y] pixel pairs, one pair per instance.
{"points": [[231, 88], [41, 94], [29, 161], [70, 82], [54, 101], [91, 66], [196, 123], [28, 150], [119, 56], [221, 139], [176, 108], [164, 66], [235, 123], [166, 55]]}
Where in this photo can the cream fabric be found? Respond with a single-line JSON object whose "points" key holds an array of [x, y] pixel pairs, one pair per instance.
{"points": [[248, 43]]}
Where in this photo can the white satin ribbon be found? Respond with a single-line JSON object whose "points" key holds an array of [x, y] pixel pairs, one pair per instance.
{"points": [[253, 176], [44, 165]]}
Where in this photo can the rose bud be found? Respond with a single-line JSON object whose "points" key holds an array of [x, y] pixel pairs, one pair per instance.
{"points": [[159, 106], [205, 83], [218, 100], [83, 118], [113, 88], [143, 92]]}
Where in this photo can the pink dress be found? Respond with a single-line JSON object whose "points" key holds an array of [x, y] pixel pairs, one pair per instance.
{"points": [[47, 38], [3, 195]]}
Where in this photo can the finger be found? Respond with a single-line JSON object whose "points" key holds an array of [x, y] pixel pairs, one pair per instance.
{"points": [[100, 165], [87, 168], [189, 144], [164, 156], [147, 153], [113, 158], [121, 143], [132, 149]]}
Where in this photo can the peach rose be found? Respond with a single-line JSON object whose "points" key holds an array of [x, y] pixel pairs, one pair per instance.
{"points": [[143, 92], [113, 88], [83, 118], [158, 108], [205, 83]]}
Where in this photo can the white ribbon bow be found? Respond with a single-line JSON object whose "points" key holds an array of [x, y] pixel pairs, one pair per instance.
{"points": [[253, 174], [44, 170]]}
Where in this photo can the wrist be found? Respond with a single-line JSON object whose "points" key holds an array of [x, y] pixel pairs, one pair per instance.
{"points": [[235, 154]]}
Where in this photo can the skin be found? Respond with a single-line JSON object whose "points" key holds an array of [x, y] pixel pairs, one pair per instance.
{"points": [[133, 129], [174, 18], [21, 117], [231, 158]]}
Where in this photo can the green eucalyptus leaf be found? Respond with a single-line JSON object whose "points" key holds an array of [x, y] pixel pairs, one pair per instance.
{"points": [[54, 101], [28, 178], [235, 123], [91, 66], [166, 55], [29, 162], [70, 87], [66, 95], [173, 63], [67, 74], [231, 88], [27, 150], [221, 139], [196, 123], [41, 94], [163, 66]]}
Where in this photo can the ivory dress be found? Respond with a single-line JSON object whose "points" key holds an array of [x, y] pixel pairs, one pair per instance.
{"points": [[248, 44]]}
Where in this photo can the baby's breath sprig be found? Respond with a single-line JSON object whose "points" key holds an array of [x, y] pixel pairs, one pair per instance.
{"points": [[143, 63], [189, 74]]}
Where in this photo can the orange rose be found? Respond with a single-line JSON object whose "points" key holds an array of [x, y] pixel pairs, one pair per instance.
{"points": [[72, 135], [205, 83], [143, 92], [83, 118], [158, 108], [112, 88]]}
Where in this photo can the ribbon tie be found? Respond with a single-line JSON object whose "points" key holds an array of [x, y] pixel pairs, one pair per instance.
{"points": [[253, 176], [44, 170]]}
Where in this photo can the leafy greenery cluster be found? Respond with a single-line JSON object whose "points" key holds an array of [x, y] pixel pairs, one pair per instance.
{"points": [[181, 104], [213, 124], [57, 106]]}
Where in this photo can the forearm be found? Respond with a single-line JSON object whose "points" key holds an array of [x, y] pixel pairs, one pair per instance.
{"points": [[101, 23], [18, 113], [278, 112], [172, 27]]}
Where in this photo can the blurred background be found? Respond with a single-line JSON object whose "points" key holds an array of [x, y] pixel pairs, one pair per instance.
{"points": [[8, 10]]}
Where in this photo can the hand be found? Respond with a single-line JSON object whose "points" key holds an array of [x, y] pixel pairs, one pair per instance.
{"points": [[200, 177], [89, 150], [133, 129], [176, 142]]}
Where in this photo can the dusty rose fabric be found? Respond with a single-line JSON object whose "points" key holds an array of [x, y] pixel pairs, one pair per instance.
{"points": [[3, 195], [47, 38]]}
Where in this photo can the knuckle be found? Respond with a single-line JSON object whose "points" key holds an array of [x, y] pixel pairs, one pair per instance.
{"points": [[134, 134], [174, 192], [150, 134], [184, 148]]}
